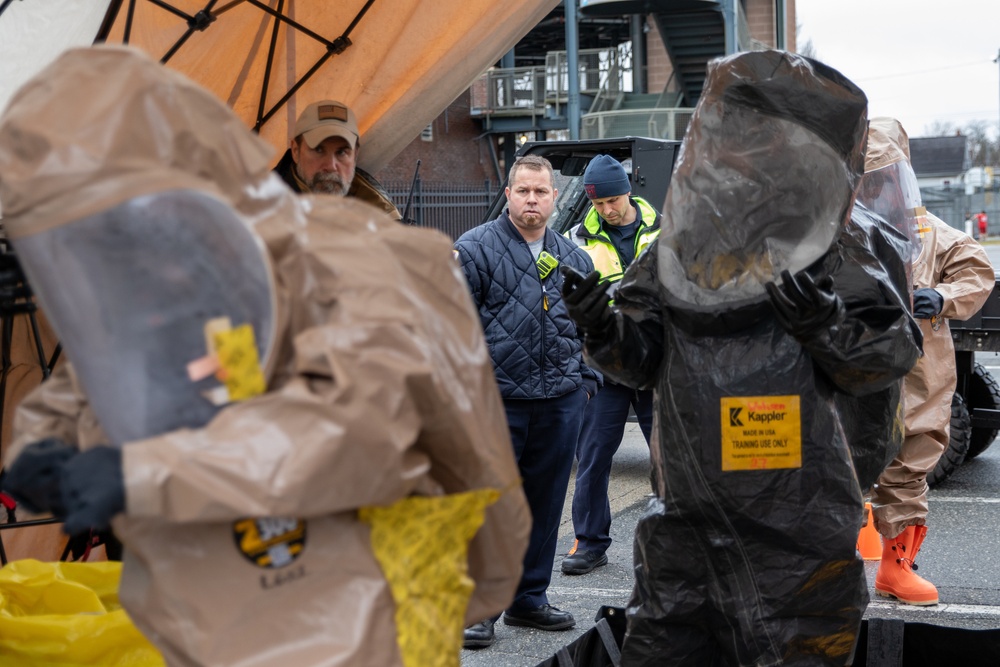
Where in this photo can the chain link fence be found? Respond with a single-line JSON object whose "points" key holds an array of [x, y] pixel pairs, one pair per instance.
{"points": [[951, 205]]}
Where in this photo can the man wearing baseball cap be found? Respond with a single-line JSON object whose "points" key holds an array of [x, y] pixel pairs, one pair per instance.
{"points": [[322, 157], [616, 229]]}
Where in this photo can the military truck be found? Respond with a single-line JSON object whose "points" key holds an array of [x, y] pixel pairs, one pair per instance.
{"points": [[975, 418], [975, 414]]}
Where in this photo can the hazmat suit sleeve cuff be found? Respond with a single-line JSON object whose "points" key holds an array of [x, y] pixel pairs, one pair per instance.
{"points": [[143, 482]]}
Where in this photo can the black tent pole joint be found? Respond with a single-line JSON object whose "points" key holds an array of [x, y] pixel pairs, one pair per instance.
{"points": [[200, 21], [339, 45]]}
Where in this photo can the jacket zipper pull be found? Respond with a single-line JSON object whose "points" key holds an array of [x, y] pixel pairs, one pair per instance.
{"points": [[545, 299]]}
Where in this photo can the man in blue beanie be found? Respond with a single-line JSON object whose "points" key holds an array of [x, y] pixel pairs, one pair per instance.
{"points": [[616, 229]]}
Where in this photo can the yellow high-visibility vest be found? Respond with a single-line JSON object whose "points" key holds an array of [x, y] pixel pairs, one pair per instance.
{"points": [[593, 240]]}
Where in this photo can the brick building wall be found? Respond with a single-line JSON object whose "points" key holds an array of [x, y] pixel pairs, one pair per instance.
{"points": [[454, 154], [658, 66], [760, 19]]}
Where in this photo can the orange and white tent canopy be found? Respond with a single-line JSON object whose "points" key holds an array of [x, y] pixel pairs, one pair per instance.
{"points": [[396, 63]]}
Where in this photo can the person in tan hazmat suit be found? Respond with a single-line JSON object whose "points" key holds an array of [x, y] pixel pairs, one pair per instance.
{"points": [[283, 404], [952, 278]]}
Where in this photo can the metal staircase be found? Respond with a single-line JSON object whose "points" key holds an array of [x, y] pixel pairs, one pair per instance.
{"points": [[533, 98], [694, 33]]}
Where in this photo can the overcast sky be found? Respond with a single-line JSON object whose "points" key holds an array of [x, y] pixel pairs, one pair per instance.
{"points": [[920, 61]]}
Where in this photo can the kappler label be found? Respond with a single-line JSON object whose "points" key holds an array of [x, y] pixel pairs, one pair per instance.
{"points": [[761, 432]]}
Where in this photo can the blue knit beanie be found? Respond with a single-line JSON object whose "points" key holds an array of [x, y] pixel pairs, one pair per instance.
{"points": [[605, 177]]}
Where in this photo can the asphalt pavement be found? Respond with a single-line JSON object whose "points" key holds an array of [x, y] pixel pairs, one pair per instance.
{"points": [[582, 595], [961, 554]]}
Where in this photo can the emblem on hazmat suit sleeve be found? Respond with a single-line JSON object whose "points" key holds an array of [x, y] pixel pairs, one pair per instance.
{"points": [[308, 421], [747, 556]]}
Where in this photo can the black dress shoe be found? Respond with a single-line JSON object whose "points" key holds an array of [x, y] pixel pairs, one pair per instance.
{"points": [[479, 635], [583, 561], [545, 617]]}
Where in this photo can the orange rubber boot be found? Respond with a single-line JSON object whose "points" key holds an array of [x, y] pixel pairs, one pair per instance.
{"points": [[896, 577]]}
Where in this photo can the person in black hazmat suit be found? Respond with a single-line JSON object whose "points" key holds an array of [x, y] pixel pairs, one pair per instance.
{"points": [[747, 555], [873, 423]]}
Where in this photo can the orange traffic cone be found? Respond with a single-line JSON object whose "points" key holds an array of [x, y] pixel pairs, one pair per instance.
{"points": [[869, 541]]}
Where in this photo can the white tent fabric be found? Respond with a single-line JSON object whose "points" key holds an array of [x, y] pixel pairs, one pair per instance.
{"points": [[34, 32], [407, 59]]}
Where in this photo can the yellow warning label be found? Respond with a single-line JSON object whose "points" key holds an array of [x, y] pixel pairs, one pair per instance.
{"points": [[761, 432], [241, 371]]}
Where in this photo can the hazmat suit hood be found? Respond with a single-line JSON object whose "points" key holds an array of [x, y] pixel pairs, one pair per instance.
{"points": [[889, 186], [743, 205], [365, 460], [147, 172]]}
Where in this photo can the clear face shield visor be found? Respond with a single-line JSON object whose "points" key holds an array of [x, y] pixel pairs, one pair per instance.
{"points": [[743, 206], [137, 295], [892, 193]]}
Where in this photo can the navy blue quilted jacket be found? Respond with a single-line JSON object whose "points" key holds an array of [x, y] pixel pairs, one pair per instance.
{"points": [[536, 351]]}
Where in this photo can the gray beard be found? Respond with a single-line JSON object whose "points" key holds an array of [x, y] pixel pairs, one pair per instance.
{"points": [[325, 183]]}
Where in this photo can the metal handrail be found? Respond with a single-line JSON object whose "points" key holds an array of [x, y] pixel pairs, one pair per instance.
{"points": [[511, 89], [529, 89], [742, 29], [663, 123]]}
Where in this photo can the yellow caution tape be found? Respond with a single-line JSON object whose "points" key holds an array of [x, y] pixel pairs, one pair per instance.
{"points": [[422, 543]]}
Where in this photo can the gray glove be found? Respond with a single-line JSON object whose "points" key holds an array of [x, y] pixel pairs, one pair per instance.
{"points": [[927, 302], [93, 489], [33, 480]]}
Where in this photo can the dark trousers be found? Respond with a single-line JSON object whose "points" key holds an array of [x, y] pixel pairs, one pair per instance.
{"points": [[603, 428], [544, 433]]}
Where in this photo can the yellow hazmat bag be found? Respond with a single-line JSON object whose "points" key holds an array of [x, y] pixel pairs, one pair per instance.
{"points": [[67, 615]]}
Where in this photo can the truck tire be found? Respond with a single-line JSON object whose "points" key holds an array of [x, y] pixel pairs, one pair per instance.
{"points": [[958, 446], [981, 391]]}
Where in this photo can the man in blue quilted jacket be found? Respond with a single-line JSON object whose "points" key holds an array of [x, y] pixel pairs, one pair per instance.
{"points": [[512, 266]]}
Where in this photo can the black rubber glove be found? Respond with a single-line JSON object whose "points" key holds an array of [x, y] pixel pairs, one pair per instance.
{"points": [[802, 305], [33, 479], [927, 302], [93, 489], [586, 300]]}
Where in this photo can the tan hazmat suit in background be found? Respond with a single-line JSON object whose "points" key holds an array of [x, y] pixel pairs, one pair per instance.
{"points": [[958, 268], [41, 541], [380, 436]]}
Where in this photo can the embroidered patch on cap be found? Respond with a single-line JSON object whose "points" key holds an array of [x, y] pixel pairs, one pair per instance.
{"points": [[332, 112]]}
